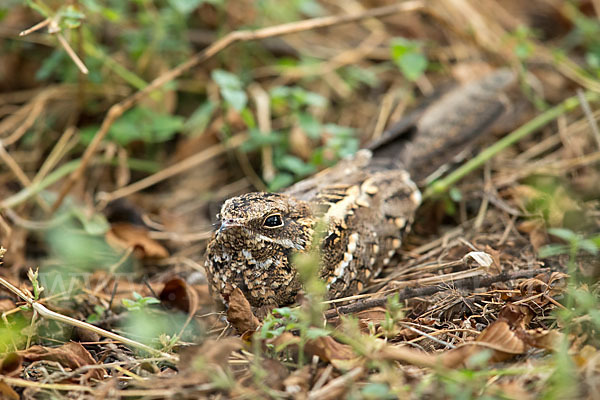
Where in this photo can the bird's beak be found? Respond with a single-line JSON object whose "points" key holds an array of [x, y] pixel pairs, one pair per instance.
{"points": [[228, 223]]}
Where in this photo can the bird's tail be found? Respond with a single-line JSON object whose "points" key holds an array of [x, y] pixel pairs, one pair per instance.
{"points": [[449, 125]]}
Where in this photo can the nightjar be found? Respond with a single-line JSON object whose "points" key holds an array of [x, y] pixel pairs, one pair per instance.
{"points": [[367, 202]]}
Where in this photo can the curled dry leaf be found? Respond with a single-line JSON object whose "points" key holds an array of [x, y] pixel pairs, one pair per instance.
{"points": [[550, 285], [505, 337], [211, 352], [372, 316], [179, 295], [324, 347], [328, 349], [482, 258], [240, 314], [543, 339], [536, 230], [11, 364], [6, 392], [70, 355], [123, 235]]}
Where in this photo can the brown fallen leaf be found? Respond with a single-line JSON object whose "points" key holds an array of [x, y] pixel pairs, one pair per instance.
{"points": [[504, 338], [124, 235], [211, 352], [240, 314], [6, 392], [328, 349], [548, 285], [372, 316], [71, 355], [179, 295], [536, 230], [11, 364]]}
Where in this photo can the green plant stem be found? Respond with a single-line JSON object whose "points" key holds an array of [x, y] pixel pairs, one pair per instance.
{"points": [[441, 186], [128, 76]]}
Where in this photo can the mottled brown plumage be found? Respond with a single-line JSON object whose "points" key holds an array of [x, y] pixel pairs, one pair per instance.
{"points": [[368, 203]]}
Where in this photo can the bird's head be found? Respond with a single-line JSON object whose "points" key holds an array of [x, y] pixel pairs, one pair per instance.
{"points": [[264, 220]]}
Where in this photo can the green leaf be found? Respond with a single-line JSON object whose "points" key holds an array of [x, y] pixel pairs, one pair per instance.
{"points": [[71, 17], [589, 246], [185, 6], [314, 333], [259, 139], [235, 97], [282, 312], [140, 124], [280, 181], [553, 250], [231, 88], [199, 120], [295, 165], [310, 125], [409, 58], [455, 194], [565, 234], [377, 391], [226, 79], [95, 224], [412, 65], [248, 118]]}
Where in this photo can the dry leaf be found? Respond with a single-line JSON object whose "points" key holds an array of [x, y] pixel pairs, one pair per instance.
{"points": [[179, 295], [239, 313], [6, 392], [10, 365], [504, 337], [71, 355], [212, 352], [328, 349], [365, 318], [536, 230], [124, 235]]}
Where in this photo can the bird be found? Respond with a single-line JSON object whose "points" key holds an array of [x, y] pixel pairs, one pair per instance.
{"points": [[367, 204]]}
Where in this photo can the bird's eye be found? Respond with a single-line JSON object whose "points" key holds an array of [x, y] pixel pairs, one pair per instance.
{"points": [[273, 221]]}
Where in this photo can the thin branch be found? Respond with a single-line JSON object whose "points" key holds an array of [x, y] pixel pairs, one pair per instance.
{"points": [[36, 27], [63, 42]]}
